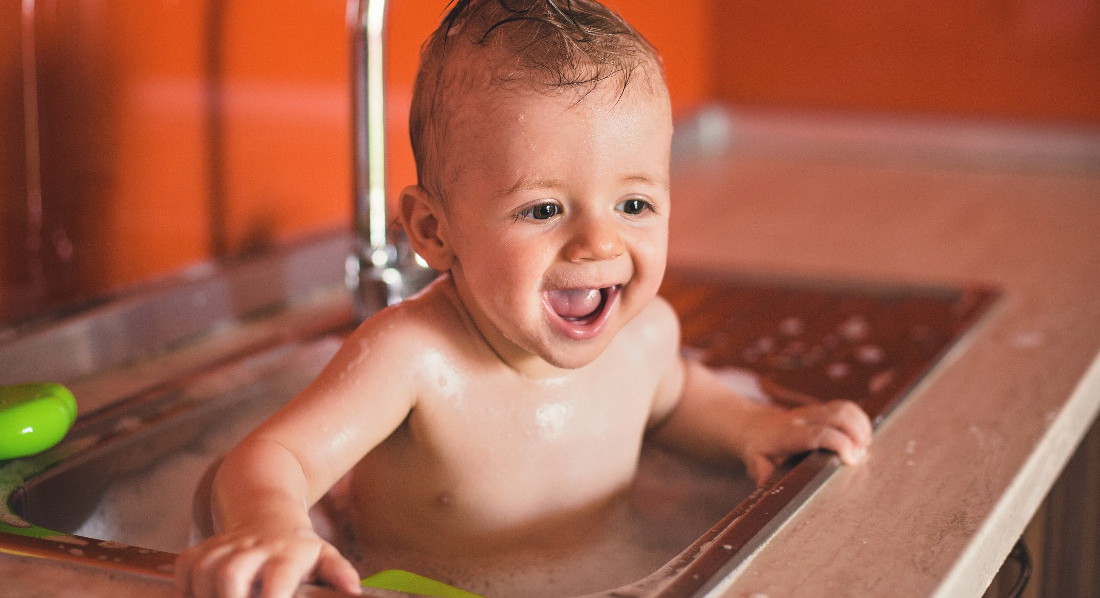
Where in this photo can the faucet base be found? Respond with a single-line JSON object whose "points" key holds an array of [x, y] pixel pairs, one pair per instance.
{"points": [[384, 277]]}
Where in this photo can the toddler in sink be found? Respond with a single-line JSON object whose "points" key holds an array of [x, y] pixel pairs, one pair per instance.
{"points": [[506, 404]]}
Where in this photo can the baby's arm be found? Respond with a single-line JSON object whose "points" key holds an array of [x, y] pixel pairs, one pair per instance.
{"points": [[264, 488], [265, 538], [697, 413]]}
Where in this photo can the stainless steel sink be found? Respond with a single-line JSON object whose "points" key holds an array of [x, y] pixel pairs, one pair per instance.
{"points": [[117, 492], [134, 482]]}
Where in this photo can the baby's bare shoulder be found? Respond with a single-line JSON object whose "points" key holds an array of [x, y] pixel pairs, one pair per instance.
{"points": [[368, 388], [657, 328], [422, 326], [656, 341], [663, 310]]}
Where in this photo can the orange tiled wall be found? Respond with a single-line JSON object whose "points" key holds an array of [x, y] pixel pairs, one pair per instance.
{"points": [[169, 132], [1035, 60]]}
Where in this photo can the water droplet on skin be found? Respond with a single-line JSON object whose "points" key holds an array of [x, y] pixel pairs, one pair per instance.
{"points": [[551, 418]]}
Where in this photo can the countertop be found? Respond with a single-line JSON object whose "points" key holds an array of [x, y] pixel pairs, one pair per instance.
{"points": [[956, 473], [953, 476]]}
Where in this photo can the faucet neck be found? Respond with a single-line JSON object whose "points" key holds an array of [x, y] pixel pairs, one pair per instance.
{"points": [[382, 269]]}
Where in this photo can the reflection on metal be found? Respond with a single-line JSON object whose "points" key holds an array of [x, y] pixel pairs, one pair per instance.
{"points": [[383, 270]]}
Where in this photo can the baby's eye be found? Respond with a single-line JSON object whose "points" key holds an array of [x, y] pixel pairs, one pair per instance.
{"points": [[634, 207], [542, 211]]}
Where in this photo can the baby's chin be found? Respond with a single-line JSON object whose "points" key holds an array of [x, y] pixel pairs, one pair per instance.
{"points": [[575, 359], [571, 354]]}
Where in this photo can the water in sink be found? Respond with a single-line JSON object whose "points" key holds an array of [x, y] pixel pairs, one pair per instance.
{"points": [[139, 489]]}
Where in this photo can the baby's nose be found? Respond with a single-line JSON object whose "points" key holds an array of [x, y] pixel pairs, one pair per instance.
{"points": [[595, 239]]}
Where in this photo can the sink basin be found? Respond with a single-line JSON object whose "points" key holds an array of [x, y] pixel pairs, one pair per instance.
{"points": [[117, 492]]}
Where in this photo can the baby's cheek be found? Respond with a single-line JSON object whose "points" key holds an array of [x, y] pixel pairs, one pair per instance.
{"points": [[653, 252]]}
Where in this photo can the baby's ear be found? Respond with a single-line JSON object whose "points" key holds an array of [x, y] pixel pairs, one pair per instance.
{"points": [[426, 226]]}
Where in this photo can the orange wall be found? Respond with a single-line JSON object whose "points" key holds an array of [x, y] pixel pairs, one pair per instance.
{"points": [[172, 132], [169, 132], [1036, 60]]}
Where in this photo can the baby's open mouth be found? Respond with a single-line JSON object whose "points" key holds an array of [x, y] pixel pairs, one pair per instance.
{"points": [[576, 304], [582, 308]]}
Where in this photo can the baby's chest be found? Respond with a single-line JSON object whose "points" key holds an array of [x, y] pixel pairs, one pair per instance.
{"points": [[496, 452], [537, 431]]}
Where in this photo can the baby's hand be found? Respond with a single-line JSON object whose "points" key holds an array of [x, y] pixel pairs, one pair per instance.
{"points": [[274, 560], [776, 434]]}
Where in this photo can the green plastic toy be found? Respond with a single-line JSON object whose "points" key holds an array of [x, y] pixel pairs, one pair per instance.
{"points": [[34, 417], [411, 583]]}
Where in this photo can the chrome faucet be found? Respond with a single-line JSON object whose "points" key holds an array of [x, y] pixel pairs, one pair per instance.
{"points": [[383, 269]]}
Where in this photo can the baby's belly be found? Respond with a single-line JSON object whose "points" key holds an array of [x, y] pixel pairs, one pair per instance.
{"points": [[449, 522], [483, 513], [520, 540]]}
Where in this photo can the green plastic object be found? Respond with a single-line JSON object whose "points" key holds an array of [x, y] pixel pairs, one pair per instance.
{"points": [[34, 417], [411, 583]]}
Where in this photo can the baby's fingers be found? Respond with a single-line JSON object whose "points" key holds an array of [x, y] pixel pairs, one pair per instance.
{"points": [[822, 435], [281, 577], [337, 572], [322, 564], [760, 468], [850, 419], [218, 572], [236, 574], [190, 579]]}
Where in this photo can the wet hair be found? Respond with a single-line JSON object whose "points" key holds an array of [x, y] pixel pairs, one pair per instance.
{"points": [[537, 45]]}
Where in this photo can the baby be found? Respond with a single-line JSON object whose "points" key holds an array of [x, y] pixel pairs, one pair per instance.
{"points": [[506, 404]]}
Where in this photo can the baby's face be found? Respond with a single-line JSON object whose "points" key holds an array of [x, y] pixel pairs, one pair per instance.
{"points": [[557, 213]]}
